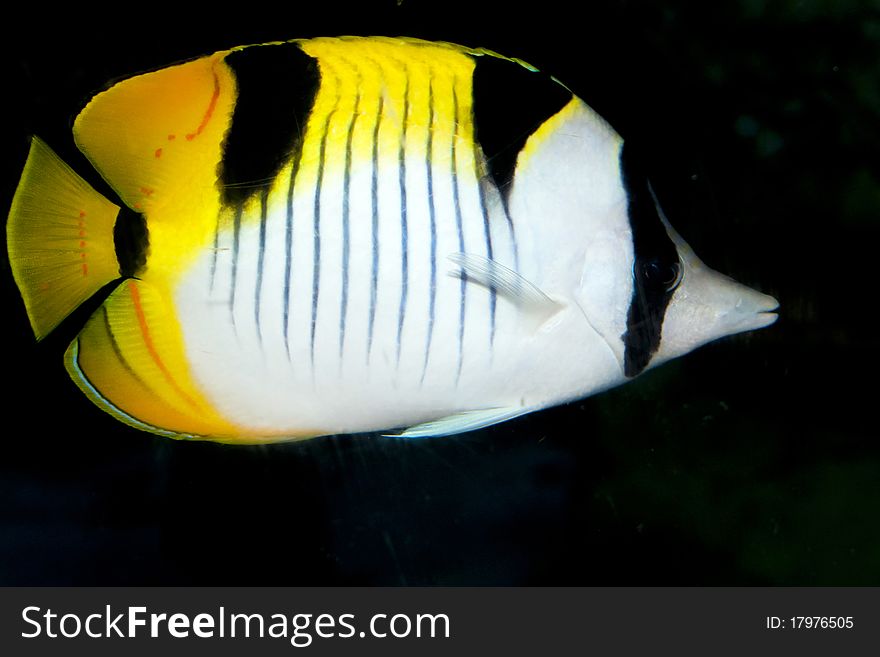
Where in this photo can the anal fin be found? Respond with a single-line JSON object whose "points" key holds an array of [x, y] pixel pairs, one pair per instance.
{"points": [[129, 359]]}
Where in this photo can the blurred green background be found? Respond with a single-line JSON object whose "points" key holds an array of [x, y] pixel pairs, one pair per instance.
{"points": [[754, 461]]}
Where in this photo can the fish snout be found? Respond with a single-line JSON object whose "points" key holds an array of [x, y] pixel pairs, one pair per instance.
{"points": [[709, 305], [751, 310]]}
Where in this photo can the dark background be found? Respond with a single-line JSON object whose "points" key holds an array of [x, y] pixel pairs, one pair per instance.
{"points": [[753, 461]]}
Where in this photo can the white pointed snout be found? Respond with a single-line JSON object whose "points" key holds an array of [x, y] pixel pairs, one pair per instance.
{"points": [[731, 306], [753, 310], [709, 305]]}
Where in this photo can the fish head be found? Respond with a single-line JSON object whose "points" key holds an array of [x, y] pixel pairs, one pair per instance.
{"points": [[645, 291], [706, 305]]}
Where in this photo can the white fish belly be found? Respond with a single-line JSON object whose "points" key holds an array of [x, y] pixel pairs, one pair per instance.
{"points": [[340, 311]]}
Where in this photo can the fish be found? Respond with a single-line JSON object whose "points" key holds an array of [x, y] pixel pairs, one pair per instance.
{"points": [[356, 235]]}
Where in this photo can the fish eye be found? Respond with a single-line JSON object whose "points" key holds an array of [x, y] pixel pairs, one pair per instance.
{"points": [[665, 274]]}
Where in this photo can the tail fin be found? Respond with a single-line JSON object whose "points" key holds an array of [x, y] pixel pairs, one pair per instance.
{"points": [[60, 239]]}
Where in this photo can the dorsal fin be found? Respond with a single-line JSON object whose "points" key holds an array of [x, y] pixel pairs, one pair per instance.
{"points": [[159, 136]]}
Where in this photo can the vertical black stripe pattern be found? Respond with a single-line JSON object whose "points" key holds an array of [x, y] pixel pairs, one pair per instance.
{"points": [[493, 293], [404, 253], [215, 252], [655, 268], [288, 250], [456, 201], [236, 236], [513, 244], [261, 256], [432, 213], [346, 199], [316, 269], [374, 203]]}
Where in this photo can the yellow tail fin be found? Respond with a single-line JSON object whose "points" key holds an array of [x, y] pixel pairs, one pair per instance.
{"points": [[60, 239]]}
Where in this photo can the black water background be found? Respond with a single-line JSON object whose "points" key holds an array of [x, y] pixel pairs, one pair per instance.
{"points": [[752, 461]]}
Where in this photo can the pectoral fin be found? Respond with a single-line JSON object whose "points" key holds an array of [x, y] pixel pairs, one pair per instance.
{"points": [[509, 284]]}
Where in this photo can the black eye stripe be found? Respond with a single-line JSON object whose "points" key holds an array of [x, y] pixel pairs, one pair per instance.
{"points": [[656, 268]]}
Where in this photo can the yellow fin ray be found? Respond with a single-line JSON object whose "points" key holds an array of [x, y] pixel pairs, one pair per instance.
{"points": [[60, 239], [129, 360]]}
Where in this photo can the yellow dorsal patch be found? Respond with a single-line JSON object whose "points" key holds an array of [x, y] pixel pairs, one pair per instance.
{"points": [[414, 87], [537, 139]]}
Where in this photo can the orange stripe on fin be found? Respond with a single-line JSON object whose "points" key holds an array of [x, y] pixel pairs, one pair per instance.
{"points": [[210, 111], [135, 137], [130, 360], [148, 341]]}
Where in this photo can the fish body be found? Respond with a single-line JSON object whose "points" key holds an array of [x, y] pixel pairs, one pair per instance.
{"points": [[358, 234]]}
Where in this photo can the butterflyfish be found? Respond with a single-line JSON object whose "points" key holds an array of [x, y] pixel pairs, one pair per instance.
{"points": [[351, 235]]}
